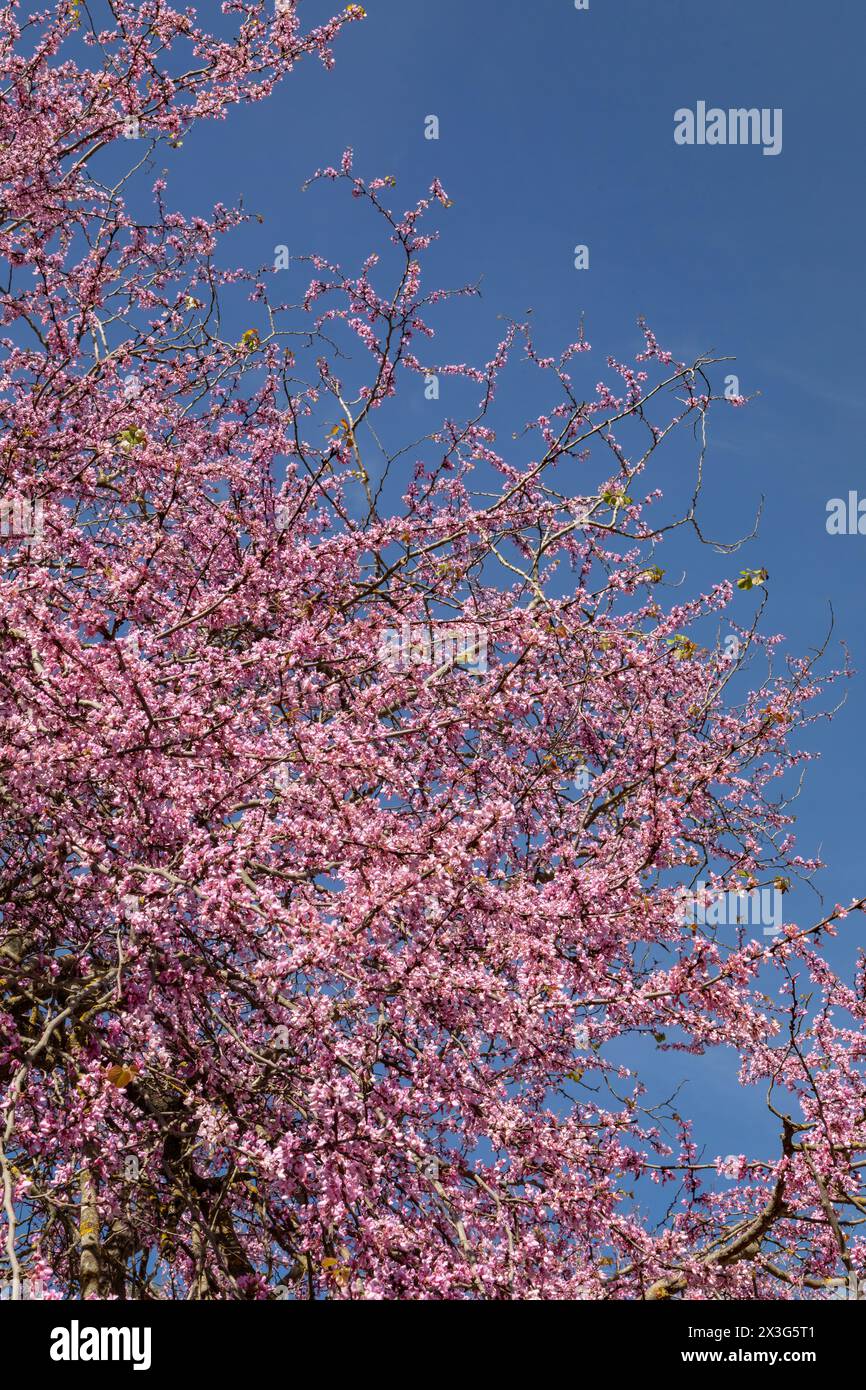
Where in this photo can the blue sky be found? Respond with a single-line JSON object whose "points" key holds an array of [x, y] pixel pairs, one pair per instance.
{"points": [[556, 128]]}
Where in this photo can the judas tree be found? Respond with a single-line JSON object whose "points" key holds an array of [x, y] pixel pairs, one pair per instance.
{"points": [[350, 789]]}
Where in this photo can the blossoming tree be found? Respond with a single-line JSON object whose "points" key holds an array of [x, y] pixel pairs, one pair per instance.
{"points": [[318, 968]]}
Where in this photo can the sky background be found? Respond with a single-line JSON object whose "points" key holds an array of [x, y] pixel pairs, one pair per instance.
{"points": [[556, 128]]}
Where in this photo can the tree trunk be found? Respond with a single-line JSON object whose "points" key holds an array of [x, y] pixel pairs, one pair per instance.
{"points": [[91, 1280]]}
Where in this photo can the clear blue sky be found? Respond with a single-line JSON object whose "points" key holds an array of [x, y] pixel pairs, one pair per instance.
{"points": [[557, 129]]}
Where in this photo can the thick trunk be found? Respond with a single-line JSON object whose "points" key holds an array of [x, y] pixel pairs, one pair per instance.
{"points": [[91, 1274]]}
